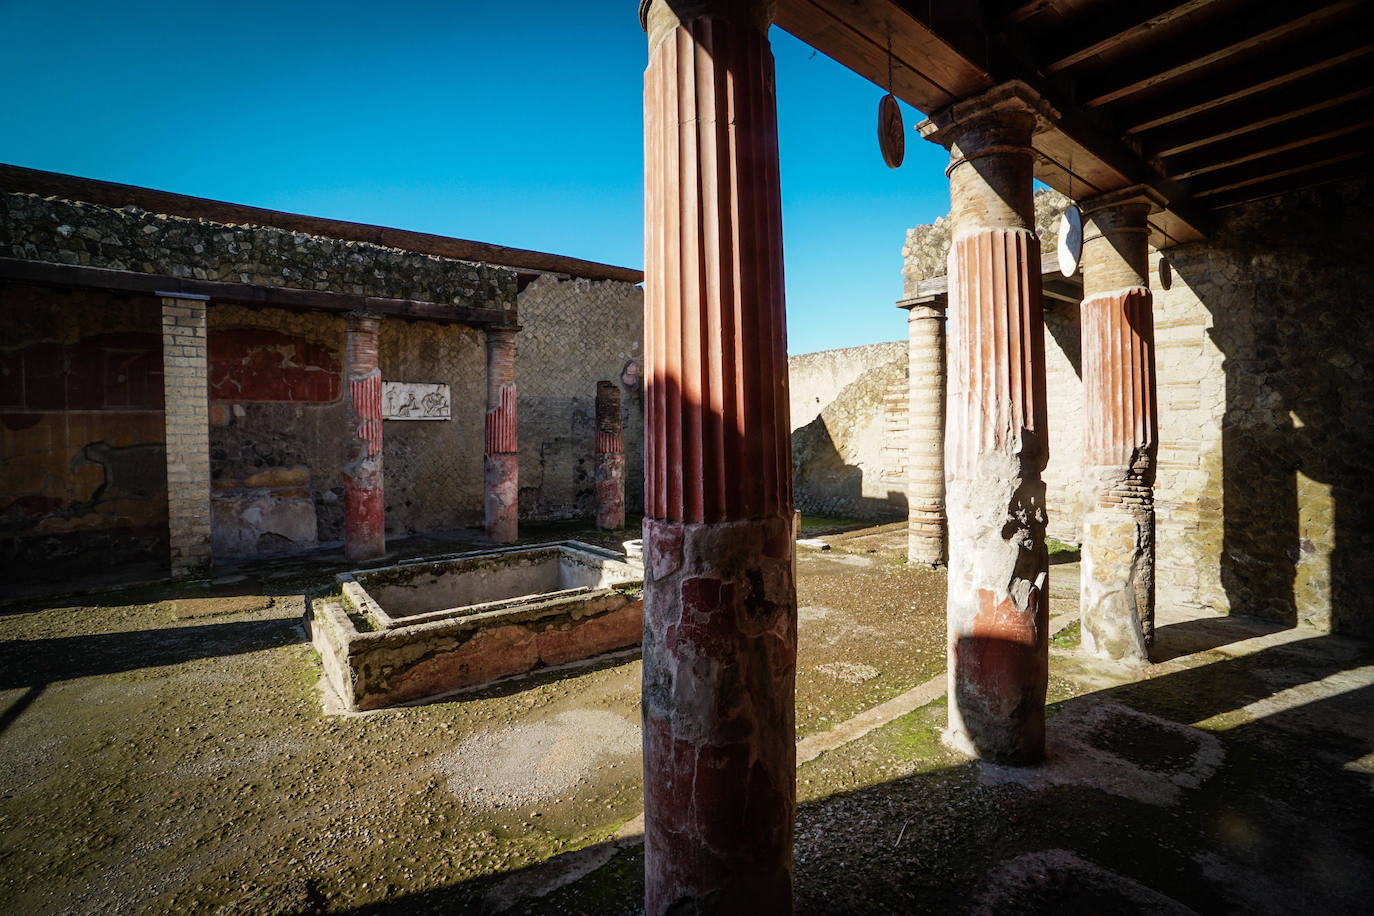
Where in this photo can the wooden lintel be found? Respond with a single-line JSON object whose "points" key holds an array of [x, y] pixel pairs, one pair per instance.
{"points": [[927, 72], [73, 275]]}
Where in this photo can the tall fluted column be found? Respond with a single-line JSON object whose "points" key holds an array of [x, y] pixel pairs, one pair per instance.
{"points": [[925, 461], [720, 618], [502, 457], [610, 458], [995, 447], [364, 500], [1118, 578]]}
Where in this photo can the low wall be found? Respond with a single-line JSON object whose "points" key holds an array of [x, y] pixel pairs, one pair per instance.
{"points": [[849, 431]]}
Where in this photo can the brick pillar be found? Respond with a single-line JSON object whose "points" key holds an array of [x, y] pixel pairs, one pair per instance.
{"points": [[995, 447], [925, 460], [186, 397], [720, 618], [364, 499], [502, 457], [1122, 431], [610, 458]]}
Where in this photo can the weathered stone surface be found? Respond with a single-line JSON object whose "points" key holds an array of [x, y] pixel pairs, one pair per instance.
{"points": [[39, 229], [264, 524], [1122, 427], [719, 742], [996, 443], [848, 431], [1267, 412]]}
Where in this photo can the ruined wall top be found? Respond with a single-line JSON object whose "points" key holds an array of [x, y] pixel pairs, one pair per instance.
{"points": [[61, 231], [926, 247]]}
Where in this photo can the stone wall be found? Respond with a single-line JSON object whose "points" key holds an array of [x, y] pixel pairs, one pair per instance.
{"points": [[849, 430], [85, 445], [279, 425], [576, 333], [1266, 340], [83, 474], [75, 232]]}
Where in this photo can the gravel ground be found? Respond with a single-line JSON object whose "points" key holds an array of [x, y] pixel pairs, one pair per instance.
{"points": [[165, 750]]}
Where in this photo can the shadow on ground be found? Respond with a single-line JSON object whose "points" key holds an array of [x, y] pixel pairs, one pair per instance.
{"points": [[1242, 784]]}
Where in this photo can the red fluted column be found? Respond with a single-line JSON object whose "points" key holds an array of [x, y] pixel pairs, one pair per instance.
{"points": [[1118, 579], [996, 435], [364, 501], [720, 601], [610, 458], [502, 456]]}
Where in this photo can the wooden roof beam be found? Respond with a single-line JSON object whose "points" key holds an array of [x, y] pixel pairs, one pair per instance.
{"points": [[1282, 70], [1294, 181], [1269, 112], [1120, 26], [1292, 162], [1204, 51], [1252, 147]]}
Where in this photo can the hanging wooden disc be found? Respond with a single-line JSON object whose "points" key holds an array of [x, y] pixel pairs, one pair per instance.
{"points": [[891, 134]]}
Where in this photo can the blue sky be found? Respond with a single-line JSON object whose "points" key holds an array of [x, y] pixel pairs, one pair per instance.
{"points": [[518, 124]]}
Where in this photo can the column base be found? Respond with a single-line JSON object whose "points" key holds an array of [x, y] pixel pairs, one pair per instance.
{"points": [[610, 491], [998, 651], [364, 513], [1117, 590], [502, 501], [720, 638]]}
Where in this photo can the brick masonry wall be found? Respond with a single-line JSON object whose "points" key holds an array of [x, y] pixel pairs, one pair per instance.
{"points": [[186, 381], [74, 232], [1265, 343], [576, 333], [849, 430]]}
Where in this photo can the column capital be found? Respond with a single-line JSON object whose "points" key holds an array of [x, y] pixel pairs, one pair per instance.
{"points": [[659, 17], [1013, 105], [935, 307], [1130, 196], [193, 297]]}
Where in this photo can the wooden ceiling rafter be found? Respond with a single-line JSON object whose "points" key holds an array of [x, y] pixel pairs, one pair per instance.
{"points": [[1234, 86], [1275, 112], [1197, 56], [1122, 26], [1205, 102]]}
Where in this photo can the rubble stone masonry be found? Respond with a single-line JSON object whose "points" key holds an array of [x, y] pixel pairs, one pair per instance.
{"points": [[60, 231]]}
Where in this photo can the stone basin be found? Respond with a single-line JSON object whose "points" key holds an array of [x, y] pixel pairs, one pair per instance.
{"points": [[425, 628]]}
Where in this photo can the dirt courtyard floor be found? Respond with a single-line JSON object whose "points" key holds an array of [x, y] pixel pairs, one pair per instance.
{"points": [[164, 750]]}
